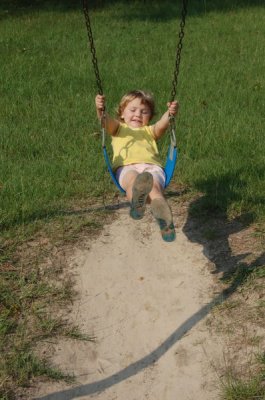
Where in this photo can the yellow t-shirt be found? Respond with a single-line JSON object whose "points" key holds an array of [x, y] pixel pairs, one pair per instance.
{"points": [[133, 146]]}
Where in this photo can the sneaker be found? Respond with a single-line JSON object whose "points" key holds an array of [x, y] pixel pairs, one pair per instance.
{"points": [[168, 232], [163, 216], [141, 188]]}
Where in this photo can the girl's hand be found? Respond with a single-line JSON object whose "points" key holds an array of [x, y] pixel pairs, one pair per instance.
{"points": [[173, 107], [100, 102]]}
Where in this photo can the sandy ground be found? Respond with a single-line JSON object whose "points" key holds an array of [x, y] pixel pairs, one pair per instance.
{"points": [[146, 302]]}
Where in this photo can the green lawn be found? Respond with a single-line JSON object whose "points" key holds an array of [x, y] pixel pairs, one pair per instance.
{"points": [[50, 149]]}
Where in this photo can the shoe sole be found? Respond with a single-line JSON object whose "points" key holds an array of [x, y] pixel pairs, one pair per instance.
{"points": [[163, 216], [142, 187], [168, 232]]}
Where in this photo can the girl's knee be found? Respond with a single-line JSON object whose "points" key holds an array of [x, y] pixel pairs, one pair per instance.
{"points": [[129, 178], [127, 183], [157, 191]]}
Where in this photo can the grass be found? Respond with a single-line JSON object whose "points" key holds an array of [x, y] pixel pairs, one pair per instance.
{"points": [[49, 153], [241, 319], [238, 389], [50, 150], [35, 293], [247, 388]]}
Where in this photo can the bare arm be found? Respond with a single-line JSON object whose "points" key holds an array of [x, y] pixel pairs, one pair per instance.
{"points": [[112, 124], [160, 127]]}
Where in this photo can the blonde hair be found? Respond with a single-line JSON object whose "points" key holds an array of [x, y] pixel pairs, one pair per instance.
{"points": [[145, 97]]}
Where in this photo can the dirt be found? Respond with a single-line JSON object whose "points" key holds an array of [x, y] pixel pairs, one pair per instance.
{"points": [[150, 306]]}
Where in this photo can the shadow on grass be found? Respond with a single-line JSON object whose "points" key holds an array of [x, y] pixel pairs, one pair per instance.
{"points": [[140, 10], [47, 215], [209, 225], [118, 202]]}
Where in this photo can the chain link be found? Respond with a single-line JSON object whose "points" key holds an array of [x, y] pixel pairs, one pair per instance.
{"points": [[179, 48], [92, 47], [178, 53]]}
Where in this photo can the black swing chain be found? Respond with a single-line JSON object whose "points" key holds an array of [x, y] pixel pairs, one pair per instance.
{"points": [[95, 63], [98, 79], [178, 53], [179, 48], [92, 47], [172, 122]]}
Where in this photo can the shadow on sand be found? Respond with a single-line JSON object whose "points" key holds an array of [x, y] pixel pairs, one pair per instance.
{"points": [[221, 256], [148, 360]]}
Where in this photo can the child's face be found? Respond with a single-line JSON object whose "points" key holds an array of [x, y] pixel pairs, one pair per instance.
{"points": [[136, 114]]}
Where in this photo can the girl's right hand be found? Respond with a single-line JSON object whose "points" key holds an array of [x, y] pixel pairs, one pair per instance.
{"points": [[100, 102], [173, 107]]}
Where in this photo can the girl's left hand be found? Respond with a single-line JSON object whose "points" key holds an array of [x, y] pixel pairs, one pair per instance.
{"points": [[173, 107]]}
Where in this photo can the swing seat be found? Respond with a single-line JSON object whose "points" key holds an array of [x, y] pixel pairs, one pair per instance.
{"points": [[171, 161], [169, 168], [112, 174]]}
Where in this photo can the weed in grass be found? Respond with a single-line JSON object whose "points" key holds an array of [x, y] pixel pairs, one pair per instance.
{"points": [[255, 340], [260, 272], [23, 366], [261, 358], [228, 305], [261, 304], [237, 389], [75, 333], [8, 324], [49, 326], [259, 231], [244, 379], [244, 274]]}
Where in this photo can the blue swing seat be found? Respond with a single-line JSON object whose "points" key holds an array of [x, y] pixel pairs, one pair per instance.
{"points": [[112, 174], [169, 168], [171, 162]]}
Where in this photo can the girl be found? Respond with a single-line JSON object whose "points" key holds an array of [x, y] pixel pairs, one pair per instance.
{"points": [[135, 155]]}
